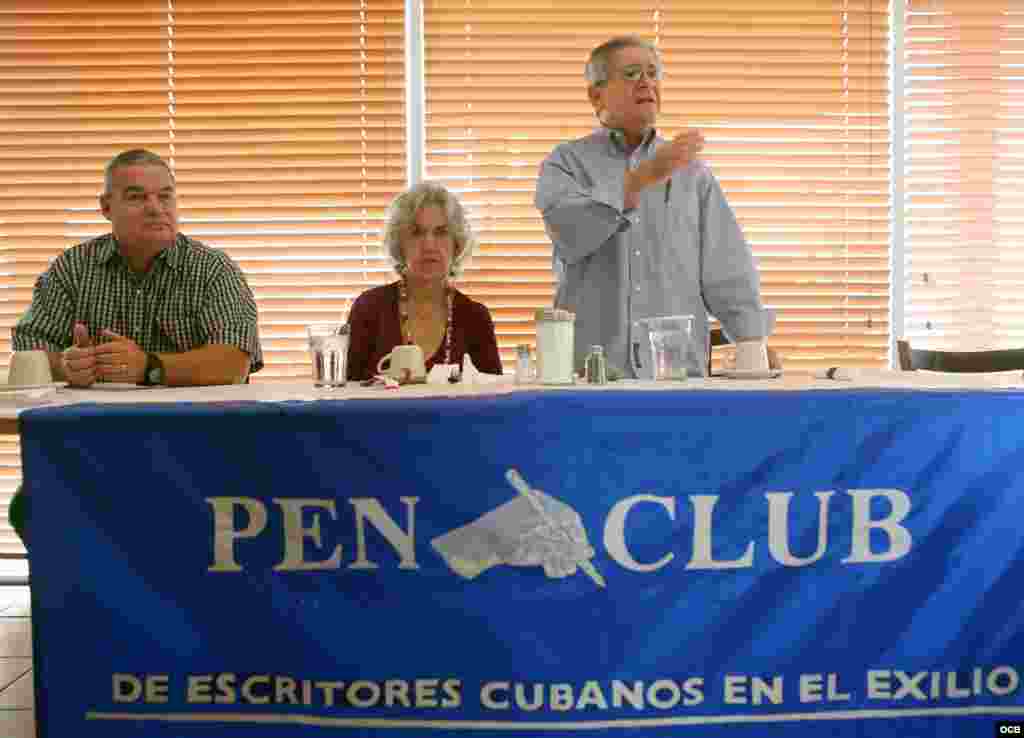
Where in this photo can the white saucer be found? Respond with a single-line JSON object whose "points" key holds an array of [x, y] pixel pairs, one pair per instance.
{"points": [[26, 387], [751, 373], [116, 386]]}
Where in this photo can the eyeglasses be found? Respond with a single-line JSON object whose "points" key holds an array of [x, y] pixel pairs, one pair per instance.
{"points": [[635, 72]]}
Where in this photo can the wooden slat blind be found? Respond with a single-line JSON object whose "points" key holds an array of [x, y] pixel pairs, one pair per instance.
{"points": [[283, 120], [964, 122], [69, 95], [792, 97], [289, 142]]}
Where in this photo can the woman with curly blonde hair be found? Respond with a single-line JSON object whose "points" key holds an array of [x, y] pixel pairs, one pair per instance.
{"points": [[428, 240]]}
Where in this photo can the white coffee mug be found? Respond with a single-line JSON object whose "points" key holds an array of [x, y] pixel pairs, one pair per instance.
{"points": [[405, 364], [28, 368], [751, 356]]}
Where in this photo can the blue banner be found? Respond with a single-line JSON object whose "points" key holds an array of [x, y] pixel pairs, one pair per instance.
{"points": [[694, 563]]}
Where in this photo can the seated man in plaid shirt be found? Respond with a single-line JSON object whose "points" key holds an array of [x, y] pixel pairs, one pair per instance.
{"points": [[143, 304]]}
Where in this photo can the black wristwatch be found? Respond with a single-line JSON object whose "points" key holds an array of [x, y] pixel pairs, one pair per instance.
{"points": [[154, 373]]}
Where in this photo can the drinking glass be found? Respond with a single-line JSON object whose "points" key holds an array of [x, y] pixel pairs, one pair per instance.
{"points": [[328, 344], [673, 350]]}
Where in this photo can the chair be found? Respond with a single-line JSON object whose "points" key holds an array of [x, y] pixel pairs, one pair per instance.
{"points": [[959, 361], [716, 337], [17, 512]]}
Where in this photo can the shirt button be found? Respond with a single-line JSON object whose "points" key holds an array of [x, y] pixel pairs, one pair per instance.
{"points": [[637, 252], [637, 289]]}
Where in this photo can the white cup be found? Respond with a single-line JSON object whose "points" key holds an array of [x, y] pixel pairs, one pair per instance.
{"points": [[29, 368], [405, 363], [751, 356]]}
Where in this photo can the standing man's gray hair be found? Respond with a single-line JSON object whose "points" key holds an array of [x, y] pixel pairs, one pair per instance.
{"points": [[596, 71], [127, 158]]}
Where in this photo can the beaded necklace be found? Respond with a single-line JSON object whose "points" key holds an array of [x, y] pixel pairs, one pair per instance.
{"points": [[403, 321]]}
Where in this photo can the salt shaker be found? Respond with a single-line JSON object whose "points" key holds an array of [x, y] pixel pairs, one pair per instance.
{"points": [[596, 366], [523, 369]]}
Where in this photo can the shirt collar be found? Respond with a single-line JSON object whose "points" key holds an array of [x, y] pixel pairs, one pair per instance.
{"points": [[618, 138], [171, 256]]}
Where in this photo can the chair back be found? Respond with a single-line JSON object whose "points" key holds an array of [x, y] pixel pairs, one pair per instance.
{"points": [[958, 361]]}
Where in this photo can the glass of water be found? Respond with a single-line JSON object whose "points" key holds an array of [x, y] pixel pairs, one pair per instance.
{"points": [[672, 347], [328, 344]]}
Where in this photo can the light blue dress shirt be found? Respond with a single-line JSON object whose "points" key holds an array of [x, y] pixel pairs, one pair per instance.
{"points": [[679, 252]]}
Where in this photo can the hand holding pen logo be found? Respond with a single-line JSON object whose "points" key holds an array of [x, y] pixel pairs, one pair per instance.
{"points": [[534, 529]]}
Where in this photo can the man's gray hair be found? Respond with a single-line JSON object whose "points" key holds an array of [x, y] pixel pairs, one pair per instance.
{"points": [[127, 158], [402, 216], [596, 70]]}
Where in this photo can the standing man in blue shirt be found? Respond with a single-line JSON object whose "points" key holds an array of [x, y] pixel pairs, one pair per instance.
{"points": [[640, 227]]}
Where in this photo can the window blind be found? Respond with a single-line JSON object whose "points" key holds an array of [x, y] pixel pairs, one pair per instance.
{"points": [[964, 124], [74, 86], [283, 121], [288, 143], [792, 97]]}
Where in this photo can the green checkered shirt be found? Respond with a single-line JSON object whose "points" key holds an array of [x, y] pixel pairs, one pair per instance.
{"points": [[192, 296]]}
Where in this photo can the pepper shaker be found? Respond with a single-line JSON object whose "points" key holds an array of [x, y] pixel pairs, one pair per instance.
{"points": [[524, 373], [596, 366]]}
